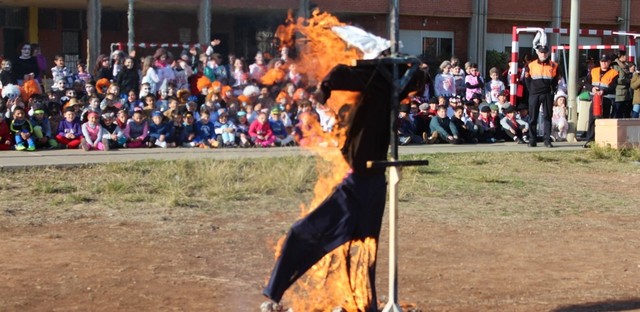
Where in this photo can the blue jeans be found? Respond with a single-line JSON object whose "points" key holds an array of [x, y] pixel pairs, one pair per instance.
{"points": [[635, 113]]}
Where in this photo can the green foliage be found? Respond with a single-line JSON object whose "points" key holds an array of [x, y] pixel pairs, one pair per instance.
{"points": [[457, 187], [622, 154], [496, 59], [55, 187]]}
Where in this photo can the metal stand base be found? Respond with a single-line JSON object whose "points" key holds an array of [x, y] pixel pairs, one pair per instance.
{"points": [[392, 307]]}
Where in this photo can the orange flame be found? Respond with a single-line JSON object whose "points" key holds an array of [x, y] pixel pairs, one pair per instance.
{"points": [[273, 76], [286, 32], [341, 278]]}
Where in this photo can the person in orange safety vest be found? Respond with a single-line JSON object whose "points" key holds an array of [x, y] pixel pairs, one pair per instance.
{"points": [[541, 78], [602, 82]]}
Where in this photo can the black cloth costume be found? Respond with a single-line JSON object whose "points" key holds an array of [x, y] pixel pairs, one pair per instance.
{"points": [[355, 208]]}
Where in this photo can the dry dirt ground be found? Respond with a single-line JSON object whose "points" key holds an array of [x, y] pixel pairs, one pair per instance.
{"points": [[95, 258]]}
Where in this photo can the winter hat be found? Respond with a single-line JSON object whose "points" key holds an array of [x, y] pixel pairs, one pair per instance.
{"points": [[509, 109], [559, 94]]}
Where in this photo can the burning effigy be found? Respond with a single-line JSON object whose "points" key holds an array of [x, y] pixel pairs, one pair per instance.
{"points": [[331, 251]]}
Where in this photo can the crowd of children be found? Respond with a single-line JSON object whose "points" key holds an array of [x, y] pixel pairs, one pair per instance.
{"points": [[191, 101], [198, 100], [472, 111]]}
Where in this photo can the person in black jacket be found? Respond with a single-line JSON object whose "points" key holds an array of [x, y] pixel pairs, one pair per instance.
{"points": [[128, 78]]}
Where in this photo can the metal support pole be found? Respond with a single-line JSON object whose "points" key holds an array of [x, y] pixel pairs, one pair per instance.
{"points": [[94, 16], [204, 22], [572, 75], [395, 173], [131, 33]]}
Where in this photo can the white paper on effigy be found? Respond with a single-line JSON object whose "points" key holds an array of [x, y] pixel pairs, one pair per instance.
{"points": [[370, 44]]}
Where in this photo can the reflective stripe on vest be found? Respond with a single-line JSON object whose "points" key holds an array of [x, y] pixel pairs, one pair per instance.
{"points": [[539, 70], [604, 81]]}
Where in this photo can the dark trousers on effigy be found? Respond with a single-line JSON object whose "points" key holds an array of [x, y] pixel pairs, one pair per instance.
{"points": [[353, 211]]}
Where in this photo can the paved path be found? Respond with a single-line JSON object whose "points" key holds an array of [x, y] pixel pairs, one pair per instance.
{"points": [[63, 158]]}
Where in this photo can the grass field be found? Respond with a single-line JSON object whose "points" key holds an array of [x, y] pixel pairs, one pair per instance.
{"points": [[488, 231]]}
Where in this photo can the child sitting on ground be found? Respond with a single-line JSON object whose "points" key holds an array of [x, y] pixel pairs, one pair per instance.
{"points": [[137, 130], [22, 130], [226, 130], [69, 130], [92, 134], [486, 126], [189, 135], [205, 131], [177, 128], [407, 131], [159, 131], [42, 130], [514, 128], [261, 133], [55, 117], [442, 129], [466, 130], [283, 138], [242, 129], [112, 137]]}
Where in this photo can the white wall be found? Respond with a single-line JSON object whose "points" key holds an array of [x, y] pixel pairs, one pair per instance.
{"points": [[411, 40], [498, 42]]}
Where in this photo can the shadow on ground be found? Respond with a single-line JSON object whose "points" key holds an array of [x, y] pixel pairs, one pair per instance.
{"points": [[613, 305]]}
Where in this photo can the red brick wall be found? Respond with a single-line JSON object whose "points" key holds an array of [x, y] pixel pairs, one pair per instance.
{"points": [[370, 14]]}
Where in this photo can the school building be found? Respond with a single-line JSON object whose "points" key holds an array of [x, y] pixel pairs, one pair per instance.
{"points": [[434, 29]]}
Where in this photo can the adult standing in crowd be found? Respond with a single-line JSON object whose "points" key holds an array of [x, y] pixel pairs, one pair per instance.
{"points": [[635, 88], [258, 69], [622, 104], [541, 77], [36, 51], [162, 65], [149, 74], [25, 66], [602, 82], [101, 69]]}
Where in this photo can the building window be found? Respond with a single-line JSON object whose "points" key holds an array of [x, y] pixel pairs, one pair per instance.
{"points": [[113, 21], [13, 17], [47, 19], [71, 42], [434, 47], [72, 20]]}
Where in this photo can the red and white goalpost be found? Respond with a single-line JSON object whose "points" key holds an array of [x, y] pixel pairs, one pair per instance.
{"points": [[513, 65], [554, 49], [123, 45]]}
